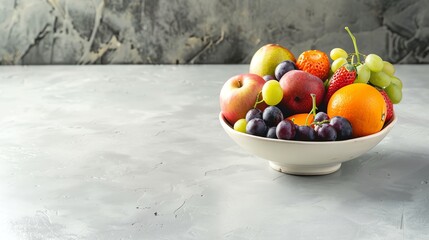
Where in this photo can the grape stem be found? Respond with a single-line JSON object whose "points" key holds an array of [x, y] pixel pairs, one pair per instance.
{"points": [[313, 109], [257, 100], [321, 122], [354, 44]]}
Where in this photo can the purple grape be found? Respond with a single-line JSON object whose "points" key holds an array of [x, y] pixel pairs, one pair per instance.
{"points": [[285, 130], [342, 126], [321, 116], [271, 132], [284, 109], [283, 68], [296, 127], [253, 113], [316, 128], [326, 133], [305, 133], [257, 127], [272, 115], [269, 77]]}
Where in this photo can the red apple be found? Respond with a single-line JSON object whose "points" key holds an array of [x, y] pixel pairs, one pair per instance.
{"points": [[238, 96], [297, 88]]}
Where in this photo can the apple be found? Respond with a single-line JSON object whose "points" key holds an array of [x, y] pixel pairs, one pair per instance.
{"points": [[238, 95], [297, 88], [266, 59]]}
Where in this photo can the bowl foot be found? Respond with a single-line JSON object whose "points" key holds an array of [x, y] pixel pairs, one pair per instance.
{"points": [[305, 169]]}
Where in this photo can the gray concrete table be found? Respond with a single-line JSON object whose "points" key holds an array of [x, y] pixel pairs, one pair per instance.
{"points": [[137, 152]]}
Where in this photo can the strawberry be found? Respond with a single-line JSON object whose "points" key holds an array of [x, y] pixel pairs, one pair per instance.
{"points": [[344, 76], [389, 105]]}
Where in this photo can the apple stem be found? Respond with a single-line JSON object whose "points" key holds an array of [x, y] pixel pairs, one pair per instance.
{"points": [[257, 100], [313, 109], [354, 44]]}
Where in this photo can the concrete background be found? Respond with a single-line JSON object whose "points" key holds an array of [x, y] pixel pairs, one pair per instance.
{"points": [[200, 31]]}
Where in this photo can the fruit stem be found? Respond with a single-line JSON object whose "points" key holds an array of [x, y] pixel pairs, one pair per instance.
{"points": [[257, 100], [354, 43], [313, 109], [321, 122]]}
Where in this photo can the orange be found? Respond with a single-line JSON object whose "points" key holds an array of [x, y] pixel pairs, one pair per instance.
{"points": [[300, 119], [315, 62], [361, 104]]}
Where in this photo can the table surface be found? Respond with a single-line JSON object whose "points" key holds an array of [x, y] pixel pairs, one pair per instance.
{"points": [[137, 152]]}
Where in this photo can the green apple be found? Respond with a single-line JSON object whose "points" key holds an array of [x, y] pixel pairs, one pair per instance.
{"points": [[266, 59]]}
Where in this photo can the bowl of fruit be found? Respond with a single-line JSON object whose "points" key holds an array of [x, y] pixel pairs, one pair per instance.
{"points": [[307, 116]]}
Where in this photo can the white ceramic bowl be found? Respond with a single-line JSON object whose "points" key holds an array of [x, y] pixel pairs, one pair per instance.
{"points": [[305, 158]]}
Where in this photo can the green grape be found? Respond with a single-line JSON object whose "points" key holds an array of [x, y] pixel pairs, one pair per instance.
{"points": [[272, 92], [240, 125], [379, 79], [394, 93], [338, 63], [363, 74], [338, 53], [374, 62], [388, 68], [396, 81]]}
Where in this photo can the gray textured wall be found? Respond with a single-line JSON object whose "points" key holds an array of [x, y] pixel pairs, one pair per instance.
{"points": [[203, 31]]}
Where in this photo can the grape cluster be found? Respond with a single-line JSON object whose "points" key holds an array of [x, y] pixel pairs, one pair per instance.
{"points": [[372, 69], [332, 129], [271, 123]]}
